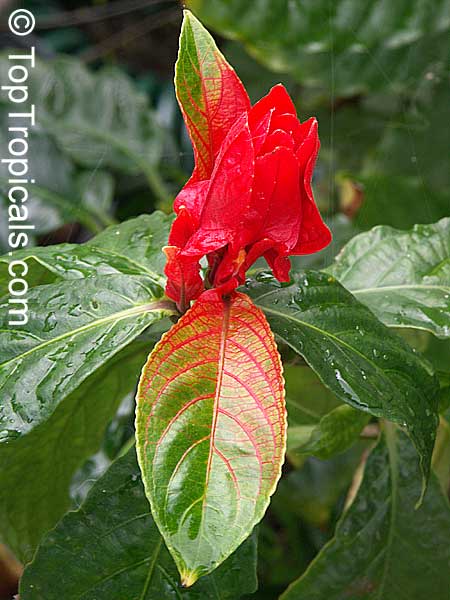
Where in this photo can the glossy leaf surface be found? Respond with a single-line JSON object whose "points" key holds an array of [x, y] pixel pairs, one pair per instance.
{"points": [[319, 424], [86, 303], [31, 505], [305, 39], [111, 549], [402, 276], [81, 327], [211, 430], [209, 92], [384, 548], [357, 357]]}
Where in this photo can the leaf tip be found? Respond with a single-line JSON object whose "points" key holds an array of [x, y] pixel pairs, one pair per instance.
{"points": [[189, 17], [188, 578]]}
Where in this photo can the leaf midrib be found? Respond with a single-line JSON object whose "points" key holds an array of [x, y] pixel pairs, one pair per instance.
{"points": [[44, 262], [158, 279], [383, 288], [322, 332], [124, 314], [220, 370]]}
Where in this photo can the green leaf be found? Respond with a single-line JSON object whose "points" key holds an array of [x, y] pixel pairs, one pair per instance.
{"points": [[131, 248], [307, 399], [110, 549], [31, 505], [318, 424], [402, 276], [211, 427], [357, 357], [86, 303], [313, 491], [336, 431], [382, 543], [139, 241], [72, 330], [345, 46]]}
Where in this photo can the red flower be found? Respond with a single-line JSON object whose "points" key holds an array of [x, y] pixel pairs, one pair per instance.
{"points": [[250, 197]]}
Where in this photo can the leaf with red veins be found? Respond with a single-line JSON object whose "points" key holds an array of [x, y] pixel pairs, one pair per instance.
{"points": [[211, 429], [210, 94], [223, 219]]}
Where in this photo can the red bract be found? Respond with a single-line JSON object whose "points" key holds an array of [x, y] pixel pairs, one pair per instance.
{"points": [[250, 193]]}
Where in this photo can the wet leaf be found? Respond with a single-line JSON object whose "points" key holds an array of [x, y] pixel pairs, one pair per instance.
{"points": [[402, 276], [111, 549], [210, 427], [30, 506], [85, 304], [318, 424], [384, 547], [355, 355]]}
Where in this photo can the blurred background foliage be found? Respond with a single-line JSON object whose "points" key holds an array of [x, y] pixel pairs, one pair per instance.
{"points": [[110, 144]]}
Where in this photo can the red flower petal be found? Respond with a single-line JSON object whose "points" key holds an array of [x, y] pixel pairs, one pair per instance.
{"points": [[277, 100], [288, 123], [314, 235], [306, 129], [183, 277], [260, 130], [193, 197], [223, 217], [276, 196], [182, 228], [280, 264], [276, 139]]}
